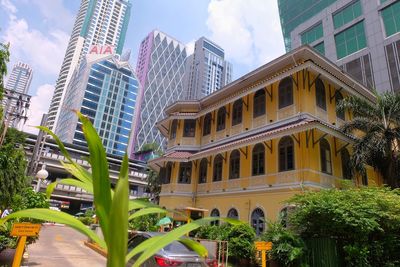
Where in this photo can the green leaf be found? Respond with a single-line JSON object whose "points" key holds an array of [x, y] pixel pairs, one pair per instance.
{"points": [[58, 217], [69, 181], [139, 204], [118, 238], [196, 246], [146, 211], [58, 141], [78, 171], [100, 175]]}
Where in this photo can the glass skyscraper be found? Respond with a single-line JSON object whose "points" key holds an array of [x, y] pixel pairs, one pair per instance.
{"points": [[99, 22], [361, 36], [206, 70], [160, 69], [105, 90]]}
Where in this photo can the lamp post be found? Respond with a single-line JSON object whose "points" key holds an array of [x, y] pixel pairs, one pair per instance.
{"points": [[41, 175]]}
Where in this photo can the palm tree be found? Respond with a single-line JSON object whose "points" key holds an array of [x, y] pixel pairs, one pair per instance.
{"points": [[377, 134]]}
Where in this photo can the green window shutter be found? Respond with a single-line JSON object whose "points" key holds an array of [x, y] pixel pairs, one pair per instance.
{"points": [[312, 34]]}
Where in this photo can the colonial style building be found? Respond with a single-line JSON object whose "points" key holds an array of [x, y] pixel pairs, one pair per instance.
{"points": [[242, 151]]}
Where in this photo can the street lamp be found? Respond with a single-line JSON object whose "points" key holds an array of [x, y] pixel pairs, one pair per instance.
{"points": [[41, 175]]}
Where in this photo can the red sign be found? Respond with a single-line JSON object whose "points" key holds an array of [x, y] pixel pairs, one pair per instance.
{"points": [[101, 49]]}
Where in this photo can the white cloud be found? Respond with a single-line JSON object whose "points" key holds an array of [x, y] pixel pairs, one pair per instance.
{"points": [[248, 30], [8, 6], [190, 47], [44, 52], [55, 14], [39, 105]]}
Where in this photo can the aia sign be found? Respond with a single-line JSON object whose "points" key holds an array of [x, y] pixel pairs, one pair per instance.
{"points": [[102, 49]]}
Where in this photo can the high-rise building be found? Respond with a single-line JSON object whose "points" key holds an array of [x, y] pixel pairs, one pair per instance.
{"points": [[160, 69], [361, 36], [99, 22], [16, 99], [20, 78], [104, 88], [206, 70]]}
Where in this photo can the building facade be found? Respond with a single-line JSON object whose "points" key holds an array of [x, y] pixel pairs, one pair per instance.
{"points": [[206, 70], [99, 22], [104, 89], [361, 36], [244, 150], [160, 69]]}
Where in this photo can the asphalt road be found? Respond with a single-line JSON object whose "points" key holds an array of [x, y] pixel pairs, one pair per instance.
{"points": [[62, 246]]}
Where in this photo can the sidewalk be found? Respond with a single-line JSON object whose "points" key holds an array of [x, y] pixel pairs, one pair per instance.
{"points": [[62, 246]]}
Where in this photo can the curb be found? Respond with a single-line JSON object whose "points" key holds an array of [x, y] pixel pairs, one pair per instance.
{"points": [[96, 248]]}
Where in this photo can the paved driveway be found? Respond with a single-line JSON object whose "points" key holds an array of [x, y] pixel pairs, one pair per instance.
{"points": [[62, 246]]}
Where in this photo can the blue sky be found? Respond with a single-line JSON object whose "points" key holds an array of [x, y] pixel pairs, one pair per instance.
{"points": [[38, 32]]}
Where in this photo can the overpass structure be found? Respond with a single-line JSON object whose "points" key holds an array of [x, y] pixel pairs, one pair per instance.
{"points": [[40, 150]]}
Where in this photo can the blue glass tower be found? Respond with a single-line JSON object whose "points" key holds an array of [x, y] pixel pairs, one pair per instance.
{"points": [[105, 90]]}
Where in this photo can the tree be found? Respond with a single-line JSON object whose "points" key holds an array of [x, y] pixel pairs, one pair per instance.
{"points": [[12, 167], [378, 143], [364, 221], [153, 178]]}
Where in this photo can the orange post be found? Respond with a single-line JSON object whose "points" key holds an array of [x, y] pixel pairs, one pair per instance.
{"points": [[19, 252]]}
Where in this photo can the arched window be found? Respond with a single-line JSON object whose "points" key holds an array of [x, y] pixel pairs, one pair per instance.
{"points": [[237, 112], [286, 92], [258, 221], [259, 103], [258, 159], [320, 94], [218, 164], [233, 213], [189, 128], [168, 173], [214, 213], [286, 154], [203, 171], [346, 167], [185, 172], [338, 99], [207, 124], [325, 152], [221, 119], [234, 164], [174, 127]]}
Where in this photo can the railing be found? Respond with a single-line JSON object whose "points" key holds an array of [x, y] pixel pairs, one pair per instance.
{"points": [[306, 177]]}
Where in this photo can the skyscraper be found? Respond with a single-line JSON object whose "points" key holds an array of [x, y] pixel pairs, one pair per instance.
{"points": [[206, 70], [104, 88], [20, 78], [160, 69], [361, 36], [98, 22], [16, 99]]}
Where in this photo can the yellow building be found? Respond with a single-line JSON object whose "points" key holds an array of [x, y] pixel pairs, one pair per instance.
{"points": [[245, 149]]}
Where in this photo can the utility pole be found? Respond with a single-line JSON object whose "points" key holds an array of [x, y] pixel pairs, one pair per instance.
{"points": [[38, 148]]}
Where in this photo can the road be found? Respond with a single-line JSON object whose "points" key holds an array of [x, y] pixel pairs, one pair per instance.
{"points": [[62, 246]]}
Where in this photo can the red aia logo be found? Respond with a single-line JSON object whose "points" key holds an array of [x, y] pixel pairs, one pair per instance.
{"points": [[101, 49]]}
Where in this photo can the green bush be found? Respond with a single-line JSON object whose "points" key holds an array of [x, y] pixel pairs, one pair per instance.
{"points": [[288, 248], [146, 223], [240, 239], [364, 221], [86, 220]]}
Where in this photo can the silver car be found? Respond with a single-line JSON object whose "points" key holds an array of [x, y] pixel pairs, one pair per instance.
{"points": [[174, 254]]}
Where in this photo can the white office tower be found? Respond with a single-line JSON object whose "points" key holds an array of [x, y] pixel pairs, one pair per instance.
{"points": [[206, 70], [20, 78], [99, 22]]}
